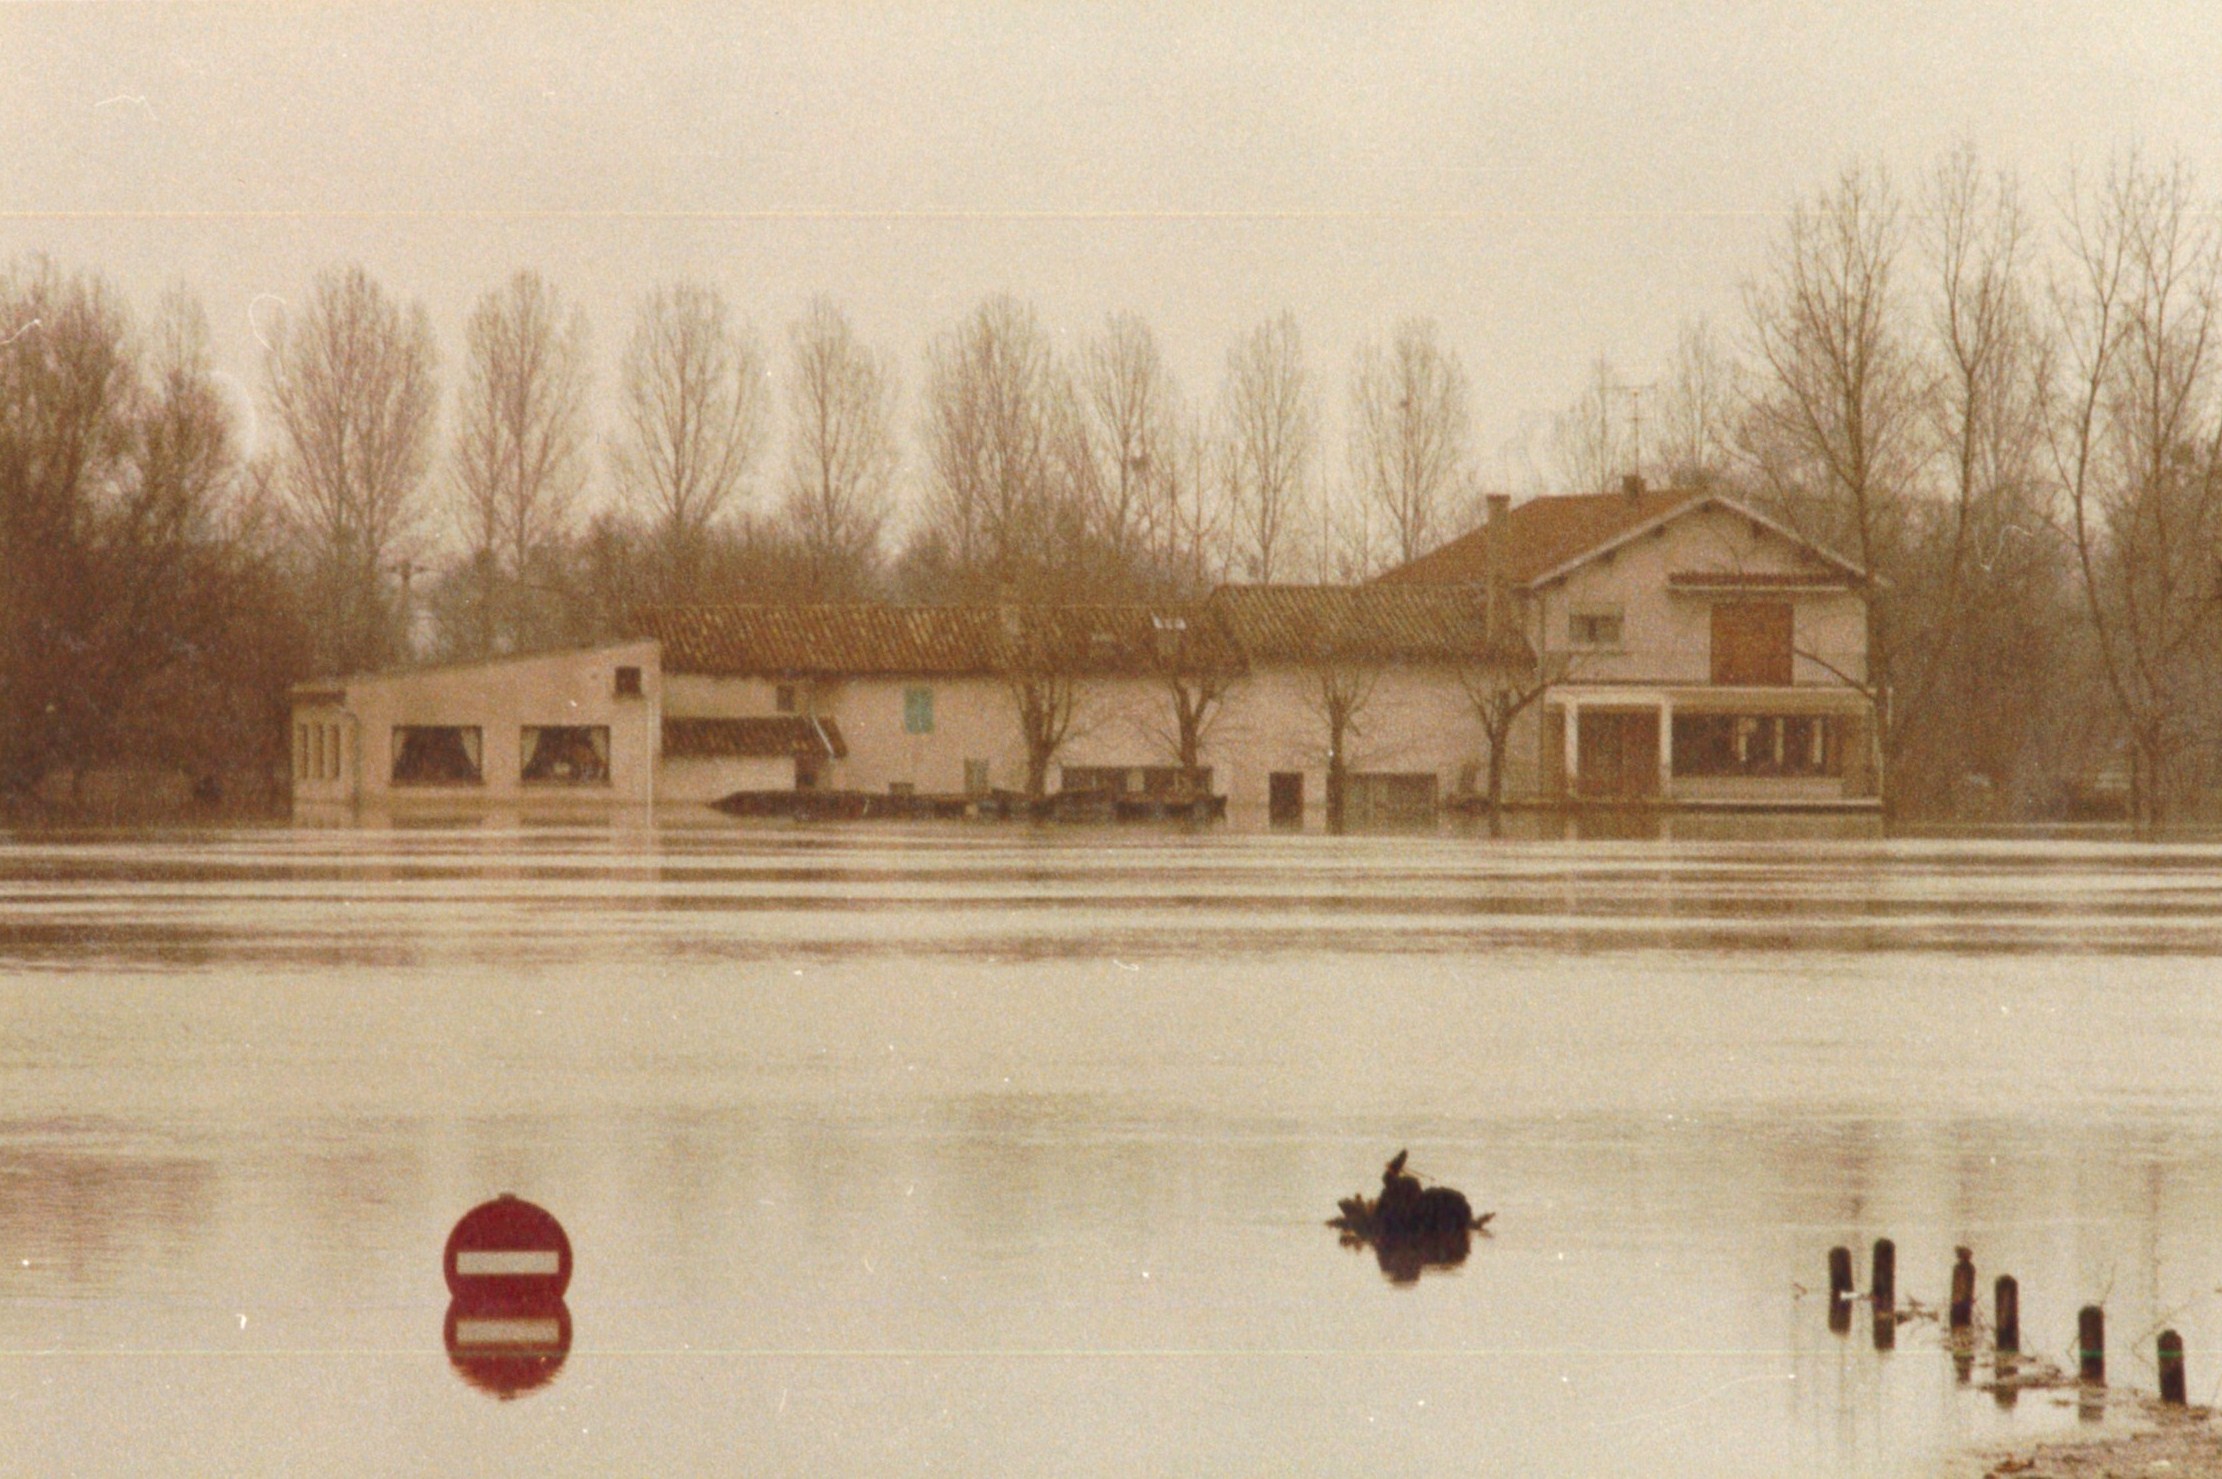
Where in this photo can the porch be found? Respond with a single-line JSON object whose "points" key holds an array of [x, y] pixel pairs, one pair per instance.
{"points": [[1739, 748]]}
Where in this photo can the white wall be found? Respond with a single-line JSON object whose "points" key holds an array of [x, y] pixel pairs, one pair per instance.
{"points": [[499, 698], [1667, 636]]}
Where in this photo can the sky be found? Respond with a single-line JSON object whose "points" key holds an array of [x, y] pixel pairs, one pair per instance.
{"points": [[1549, 182]]}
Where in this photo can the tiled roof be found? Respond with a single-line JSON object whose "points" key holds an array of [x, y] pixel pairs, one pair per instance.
{"points": [[1382, 623], [1543, 534], [855, 639], [766, 737], [866, 640]]}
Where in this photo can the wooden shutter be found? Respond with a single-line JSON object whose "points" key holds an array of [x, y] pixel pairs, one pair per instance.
{"points": [[1751, 643]]}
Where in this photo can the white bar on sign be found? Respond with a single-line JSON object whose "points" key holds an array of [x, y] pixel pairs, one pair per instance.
{"points": [[507, 1332], [494, 1263]]}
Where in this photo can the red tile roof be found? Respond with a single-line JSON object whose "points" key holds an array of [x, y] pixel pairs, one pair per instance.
{"points": [[1543, 534], [867, 640], [765, 737], [1401, 623]]}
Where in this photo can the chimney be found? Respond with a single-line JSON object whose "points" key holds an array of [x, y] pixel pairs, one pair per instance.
{"points": [[1493, 537], [1632, 485]]}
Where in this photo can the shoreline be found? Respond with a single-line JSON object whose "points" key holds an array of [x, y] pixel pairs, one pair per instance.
{"points": [[2179, 1442]]}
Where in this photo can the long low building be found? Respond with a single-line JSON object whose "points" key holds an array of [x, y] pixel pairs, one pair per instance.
{"points": [[1654, 649], [1250, 695]]}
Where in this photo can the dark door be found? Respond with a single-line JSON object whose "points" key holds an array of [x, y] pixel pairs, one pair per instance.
{"points": [[1619, 753], [1284, 798]]}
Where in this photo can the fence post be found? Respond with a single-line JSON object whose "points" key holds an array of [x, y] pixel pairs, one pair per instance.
{"points": [[1963, 1289], [2006, 1298], [2090, 1339], [2171, 1368]]}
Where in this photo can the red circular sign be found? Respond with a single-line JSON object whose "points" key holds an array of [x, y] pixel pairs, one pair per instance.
{"points": [[507, 1249]]}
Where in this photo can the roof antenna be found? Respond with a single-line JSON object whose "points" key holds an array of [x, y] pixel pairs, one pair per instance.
{"points": [[1631, 482]]}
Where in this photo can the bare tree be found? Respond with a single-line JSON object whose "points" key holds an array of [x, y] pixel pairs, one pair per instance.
{"points": [[1972, 588], [840, 451], [1835, 416], [693, 407], [1341, 689], [1194, 666], [1271, 430], [1042, 670], [1410, 443], [519, 457], [351, 386], [1191, 514], [2137, 448], [67, 389], [1128, 462], [999, 419]]}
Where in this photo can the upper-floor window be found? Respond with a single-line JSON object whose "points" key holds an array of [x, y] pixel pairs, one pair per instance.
{"points": [[1593, 626], [918, 711], [1752, 643], [783, 698], [628, 682]]}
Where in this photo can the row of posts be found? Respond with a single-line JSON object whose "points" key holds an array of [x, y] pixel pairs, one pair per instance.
{"points": [[2090, 1324]]}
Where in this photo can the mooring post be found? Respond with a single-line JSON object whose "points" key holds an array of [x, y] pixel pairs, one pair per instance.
{"points": [[1963, 1289], [1840, 1274], [2171, 1368], [2006, 1299], [2090, 1338], [1883, 1287]]}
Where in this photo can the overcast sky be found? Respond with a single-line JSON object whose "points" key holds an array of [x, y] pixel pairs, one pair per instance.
{"points": [[1548, 181]]}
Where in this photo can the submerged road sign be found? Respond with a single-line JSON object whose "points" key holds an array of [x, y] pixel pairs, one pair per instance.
{"points": [[507, 1251]]}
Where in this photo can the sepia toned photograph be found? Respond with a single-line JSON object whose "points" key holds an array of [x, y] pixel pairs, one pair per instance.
{"points": [[1037, 738]]}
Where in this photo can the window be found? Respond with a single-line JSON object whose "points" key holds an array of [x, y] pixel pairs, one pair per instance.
{"points": [[783, 698], [437, 755], [566, 755], [628, 682], [976, 778], [1593, 626], [331, 752], [918, 711], [300, 752], [1757, 745]]}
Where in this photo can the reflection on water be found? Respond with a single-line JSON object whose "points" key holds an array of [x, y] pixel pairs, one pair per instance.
{"points": [[978, 1151]]}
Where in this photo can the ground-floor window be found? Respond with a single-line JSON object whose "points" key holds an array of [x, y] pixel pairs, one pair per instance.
{"points": [[567, 754], [1758, 745], [437, 755], [976, 778]]}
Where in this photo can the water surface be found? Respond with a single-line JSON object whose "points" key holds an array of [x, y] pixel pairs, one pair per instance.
{"points": [[978, 1150]]}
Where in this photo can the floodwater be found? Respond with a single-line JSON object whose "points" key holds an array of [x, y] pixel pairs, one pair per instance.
{"points": [[977, 1150]]}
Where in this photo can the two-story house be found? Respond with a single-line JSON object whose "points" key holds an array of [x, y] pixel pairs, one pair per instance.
{"points": [[1690, 650]]}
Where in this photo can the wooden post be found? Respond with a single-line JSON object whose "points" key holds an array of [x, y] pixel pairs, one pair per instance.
{"points": [[2171, 1368], [1840, 1289], [2006, 1300], [1883, 1287], [2090, 1339], [1963, 1290]]}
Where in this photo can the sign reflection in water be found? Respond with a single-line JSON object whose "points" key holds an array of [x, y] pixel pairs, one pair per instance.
{"points": [[507, 1264]]}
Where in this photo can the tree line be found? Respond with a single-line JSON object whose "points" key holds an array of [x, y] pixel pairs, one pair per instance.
{"points": [[2011, 414]]}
